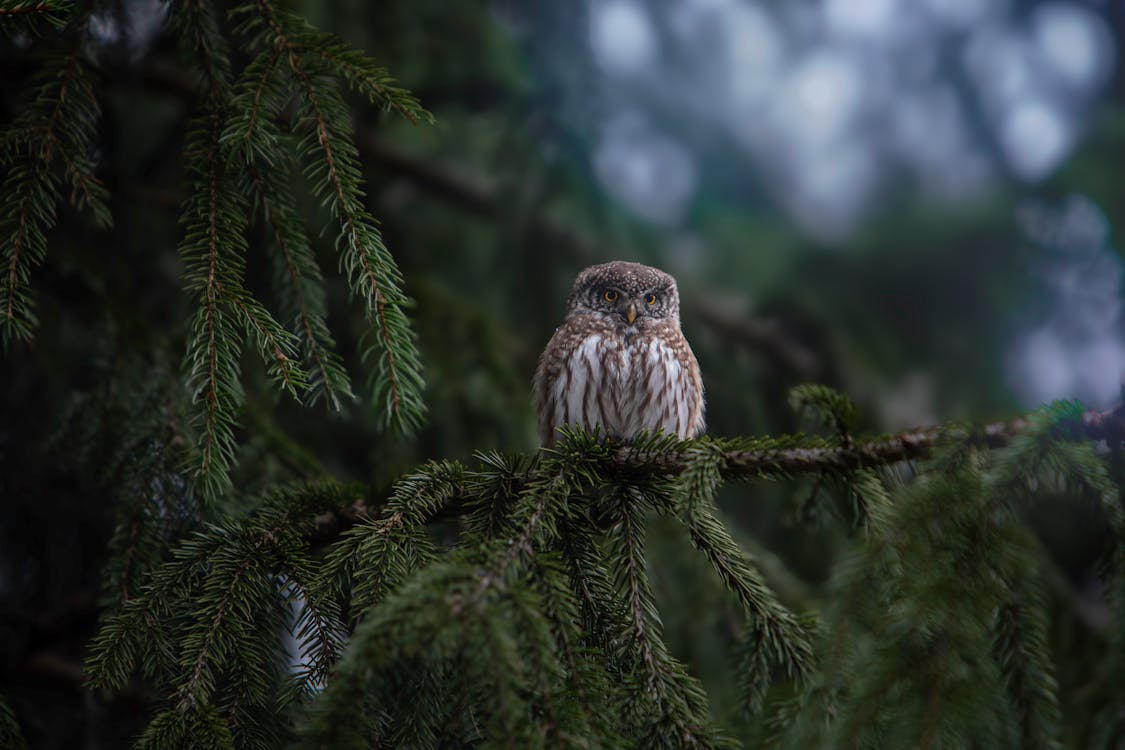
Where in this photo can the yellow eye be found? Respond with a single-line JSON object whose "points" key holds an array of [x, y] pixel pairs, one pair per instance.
{"points": [[651, 299], [610, 295]]}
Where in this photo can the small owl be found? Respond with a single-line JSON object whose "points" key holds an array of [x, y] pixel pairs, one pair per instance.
{"points": [[619, 360]]}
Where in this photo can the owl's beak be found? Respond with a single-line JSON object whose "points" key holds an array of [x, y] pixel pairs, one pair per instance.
{"points": [[631, 313]]}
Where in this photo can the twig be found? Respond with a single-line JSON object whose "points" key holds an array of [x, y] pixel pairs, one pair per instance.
{"points": [[20, 10]]}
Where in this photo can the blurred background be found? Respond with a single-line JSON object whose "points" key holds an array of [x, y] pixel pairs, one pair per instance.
{"points": [[911, 200]]}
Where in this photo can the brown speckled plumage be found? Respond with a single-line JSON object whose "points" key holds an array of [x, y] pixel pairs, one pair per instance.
{"points": [[600, 369]]}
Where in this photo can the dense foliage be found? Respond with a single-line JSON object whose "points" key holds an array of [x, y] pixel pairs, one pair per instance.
{"points": [[194, 273]]}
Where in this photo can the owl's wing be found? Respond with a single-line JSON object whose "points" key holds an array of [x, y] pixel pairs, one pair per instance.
{"points": [[569, 383], [689, 393], [551, 362], [697, 424]]}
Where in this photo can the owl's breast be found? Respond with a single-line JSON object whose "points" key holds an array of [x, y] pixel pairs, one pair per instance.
{"points": [[649, 386], [624, 386]]}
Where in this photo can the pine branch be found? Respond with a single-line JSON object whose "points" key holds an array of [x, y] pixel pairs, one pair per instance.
{"points": [[212, 251], [201, 728], [275, 343], [1021, 646], [251, 136], [470, 593], [503, 682], [1039, 455], [300, 274], [827, 406], [375, 83], [493, 492], [429, 713], [24, 7], [911, 643], [199, 32], [641, 609], [208, 641], [870, 498], [46, 149], [777, 631], [28, 211], [208, 624], [376, 555], [292, 34], [514, 634], [10, 735], [137, 634], [266, 89], [585, 674], [371, 271], [677, 702], [33, 17], [425, 609], [786, 457], [603, 614], [318, 625], [214, 254], [123, 437]]}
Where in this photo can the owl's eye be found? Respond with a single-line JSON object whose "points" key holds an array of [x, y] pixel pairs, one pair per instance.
{"points": [[610, 295], [651, 299]]}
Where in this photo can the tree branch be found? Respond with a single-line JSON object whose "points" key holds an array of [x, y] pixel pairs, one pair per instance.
{"points": [[864, 454], [29, 9], [475, 197]]}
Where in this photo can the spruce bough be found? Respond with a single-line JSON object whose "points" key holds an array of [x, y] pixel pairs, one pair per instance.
{"points": [[536, 625], [511, 602]]}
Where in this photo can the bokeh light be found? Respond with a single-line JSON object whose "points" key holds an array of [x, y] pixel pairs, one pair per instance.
{"points": [[836, 101], [621, 37], [833, 115], [1076, 350]]}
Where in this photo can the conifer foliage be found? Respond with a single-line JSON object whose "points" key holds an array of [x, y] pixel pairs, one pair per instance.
{"points": [[45, 154], [510, 604], [243, 149], [512, 600]]}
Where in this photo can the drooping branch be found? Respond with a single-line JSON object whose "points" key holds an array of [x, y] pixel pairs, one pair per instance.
{"points": [[335, 173], [45, 151]]}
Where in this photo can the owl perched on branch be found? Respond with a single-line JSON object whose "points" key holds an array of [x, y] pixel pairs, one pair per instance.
{"points": [[619, 360]]}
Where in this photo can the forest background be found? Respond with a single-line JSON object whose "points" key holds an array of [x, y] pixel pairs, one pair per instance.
{"points": [[911, 202]]}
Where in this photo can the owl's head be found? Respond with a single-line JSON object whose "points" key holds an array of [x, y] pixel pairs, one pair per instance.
{"points": [[639, 295]]}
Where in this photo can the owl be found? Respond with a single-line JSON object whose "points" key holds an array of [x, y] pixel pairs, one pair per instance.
{"points": [[619, 360]]}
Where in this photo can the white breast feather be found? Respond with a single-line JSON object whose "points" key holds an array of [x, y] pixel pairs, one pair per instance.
{"points": [[655, 370], [623, 375], [570, 391]]}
